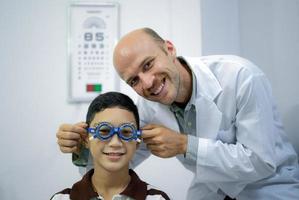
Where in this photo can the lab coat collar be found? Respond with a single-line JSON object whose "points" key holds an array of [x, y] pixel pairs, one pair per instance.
{"points": [[208, 116], [207, 84]]}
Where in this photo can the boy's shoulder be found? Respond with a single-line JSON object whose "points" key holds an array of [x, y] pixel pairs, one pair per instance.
{"points": [[154, 193], [62, 195], [80, 190], [138, 189]]}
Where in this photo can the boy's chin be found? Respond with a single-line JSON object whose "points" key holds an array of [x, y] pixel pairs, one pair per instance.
{"points": [[112, 167]]}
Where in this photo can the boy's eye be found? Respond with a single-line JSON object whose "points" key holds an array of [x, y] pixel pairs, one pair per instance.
{"points": [[104, 131], [127, 132]]}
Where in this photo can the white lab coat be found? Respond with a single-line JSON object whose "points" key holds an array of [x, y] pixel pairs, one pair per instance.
{"points": [[242, 148]]}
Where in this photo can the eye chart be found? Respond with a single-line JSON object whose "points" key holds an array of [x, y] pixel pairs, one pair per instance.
{"points": [[93, 33]]}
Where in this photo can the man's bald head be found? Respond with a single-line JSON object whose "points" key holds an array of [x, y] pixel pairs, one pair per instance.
{"points": [[136, 37]]}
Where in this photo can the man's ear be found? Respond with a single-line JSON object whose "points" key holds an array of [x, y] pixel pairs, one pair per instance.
{"points": [[170, 48]]}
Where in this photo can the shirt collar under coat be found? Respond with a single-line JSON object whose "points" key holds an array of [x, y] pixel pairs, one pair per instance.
{"points": [[83, 189], [207, 90]]}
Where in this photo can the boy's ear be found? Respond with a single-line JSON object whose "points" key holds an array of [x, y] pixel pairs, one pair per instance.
{"points": [[85, 141]]}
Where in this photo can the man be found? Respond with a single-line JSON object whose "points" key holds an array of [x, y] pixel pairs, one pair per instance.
{"points": [[216, 114], [113, 139]]}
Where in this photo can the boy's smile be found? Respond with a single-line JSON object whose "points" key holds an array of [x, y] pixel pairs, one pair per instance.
{"points": [[114, 156]]}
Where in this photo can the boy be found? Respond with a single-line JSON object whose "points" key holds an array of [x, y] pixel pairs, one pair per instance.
{"points": [[114, 136]]}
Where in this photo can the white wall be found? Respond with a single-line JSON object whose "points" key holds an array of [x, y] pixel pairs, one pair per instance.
{"points": [[220, 27], [267, 33], [269, 36], [33, 92]]}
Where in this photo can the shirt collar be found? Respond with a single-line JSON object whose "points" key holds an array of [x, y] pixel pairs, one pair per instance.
{"points": [[83, 189], [136, 189]]}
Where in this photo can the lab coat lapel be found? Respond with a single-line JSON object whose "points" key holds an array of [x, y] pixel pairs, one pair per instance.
{"points": [[165, 117], [208, 118]]}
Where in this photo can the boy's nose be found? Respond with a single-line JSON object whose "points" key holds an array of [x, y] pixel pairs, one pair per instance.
{"points": [[115, 141]]}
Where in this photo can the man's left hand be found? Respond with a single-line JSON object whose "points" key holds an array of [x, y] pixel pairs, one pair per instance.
{"points": [[164, 142]]}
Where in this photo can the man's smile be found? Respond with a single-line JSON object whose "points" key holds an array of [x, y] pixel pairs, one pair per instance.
{"points": [[159, 89]]}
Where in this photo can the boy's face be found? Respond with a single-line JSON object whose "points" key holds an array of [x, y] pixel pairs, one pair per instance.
{"points": [[114, 154]]}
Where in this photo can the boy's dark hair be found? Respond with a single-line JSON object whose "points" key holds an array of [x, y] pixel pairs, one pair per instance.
{"points": [[111, 100]]}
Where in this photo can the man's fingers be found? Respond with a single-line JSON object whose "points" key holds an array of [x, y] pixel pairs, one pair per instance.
{"points": [[148, 134], [68, 135], [69, 149], [81, 129], [81, 124], [148, 127], [151, 141], [67, 143], [78, 129], [153, 147]]}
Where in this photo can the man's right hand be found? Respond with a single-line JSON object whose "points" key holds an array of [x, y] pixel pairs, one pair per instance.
{"points": [[70, 137]]}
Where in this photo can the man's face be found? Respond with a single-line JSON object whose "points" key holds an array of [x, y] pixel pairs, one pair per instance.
{"points": [[148, 67], [114, 154]]}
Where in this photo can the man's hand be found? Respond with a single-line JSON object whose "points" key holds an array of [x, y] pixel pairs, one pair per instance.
{"points": [[164, 142], [70, 137]]}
